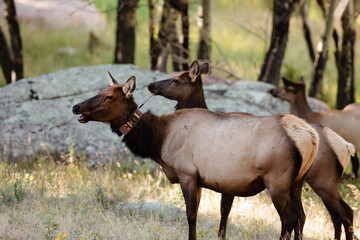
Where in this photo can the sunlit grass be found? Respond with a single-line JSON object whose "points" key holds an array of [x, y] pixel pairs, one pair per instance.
{"points": [[47, 200]]}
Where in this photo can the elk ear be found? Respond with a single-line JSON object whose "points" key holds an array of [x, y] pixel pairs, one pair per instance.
{"points": [[129, 86], [204, 70], [194, 71], [111, 80], [287, 82]]}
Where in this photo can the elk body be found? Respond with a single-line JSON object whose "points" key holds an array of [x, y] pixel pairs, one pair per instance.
{"points": [[324, 176], [344, 122], [237, 155]]}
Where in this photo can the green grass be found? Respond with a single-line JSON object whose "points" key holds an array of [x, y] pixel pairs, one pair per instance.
{"points": [[240, 32], [41, 199]]}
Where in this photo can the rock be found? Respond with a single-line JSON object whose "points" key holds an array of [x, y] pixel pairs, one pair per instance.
{"points": [[146, 209], [36, 113], [60, 14]]}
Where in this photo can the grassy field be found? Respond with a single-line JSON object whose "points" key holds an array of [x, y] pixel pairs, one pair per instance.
{"points": [[42, 199], [240, 31], [45, 200]]}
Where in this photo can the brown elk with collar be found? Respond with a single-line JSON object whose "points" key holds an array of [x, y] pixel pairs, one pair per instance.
{"points": [[238, 155], [324, 175], [344, 122]]}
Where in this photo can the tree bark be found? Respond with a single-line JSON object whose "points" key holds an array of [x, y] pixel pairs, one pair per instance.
{"points": [[185, 35], [5, 58], [345, 59], [163, 43], [125, 31], [15, 39], [322, 56], [174, 40], [306, 28], [182, 6], [204, 22], [153, 42], [270, 70]]}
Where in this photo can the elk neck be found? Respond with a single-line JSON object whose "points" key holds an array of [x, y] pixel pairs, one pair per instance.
{"points": [[300, 107], [196, 99], [145, 139]]}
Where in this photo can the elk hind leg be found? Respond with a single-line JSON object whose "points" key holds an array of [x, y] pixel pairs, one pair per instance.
{"points": [[355, 165], [286, 210], [339, 211], [296, 199]]}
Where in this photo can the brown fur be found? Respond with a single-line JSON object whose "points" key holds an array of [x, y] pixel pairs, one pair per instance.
{"points": [[191, 144], [344, 122], [324, 175]]}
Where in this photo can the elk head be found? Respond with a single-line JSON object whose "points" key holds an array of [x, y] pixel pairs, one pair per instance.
{"points": [[180, 87], [114, 103], [290, 91]]}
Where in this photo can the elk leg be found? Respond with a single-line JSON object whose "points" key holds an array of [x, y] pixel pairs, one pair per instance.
{"points": [[296, 199], [192, 195], [348, 220], [355, 165], [286, 209], [226, 204], [339, 211]]}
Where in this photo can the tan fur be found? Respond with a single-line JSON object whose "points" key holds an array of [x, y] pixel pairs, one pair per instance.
{"points": [[299, 131], [344, 122], [342, 148]]}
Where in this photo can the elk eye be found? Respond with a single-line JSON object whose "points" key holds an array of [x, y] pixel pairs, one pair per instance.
{"points": [[175, 81], [108, 98]]}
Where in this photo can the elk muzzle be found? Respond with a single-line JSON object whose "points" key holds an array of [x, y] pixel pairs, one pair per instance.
{"points": [[76, 109], [152, 88], [274, 92], [84, 118]]}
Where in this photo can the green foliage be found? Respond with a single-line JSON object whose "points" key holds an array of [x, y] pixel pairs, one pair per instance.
{"points": [[240, 32], [12, 194], [101, 197]]}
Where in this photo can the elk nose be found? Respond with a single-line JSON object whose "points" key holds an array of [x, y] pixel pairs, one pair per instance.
{"points": [[273, 92], [152, 88], [75, 109]]}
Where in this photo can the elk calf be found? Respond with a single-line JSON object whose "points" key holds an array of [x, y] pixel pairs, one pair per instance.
{"points": [[324, 175], [238, 155]]}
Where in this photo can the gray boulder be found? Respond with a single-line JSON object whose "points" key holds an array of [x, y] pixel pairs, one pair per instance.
{"points": [[36, 116]]}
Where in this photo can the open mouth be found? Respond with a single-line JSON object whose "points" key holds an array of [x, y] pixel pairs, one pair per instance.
{"points": [[83, 118]]}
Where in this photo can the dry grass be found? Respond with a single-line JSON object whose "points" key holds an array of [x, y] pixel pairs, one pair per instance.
{"points": [[45, 200]]}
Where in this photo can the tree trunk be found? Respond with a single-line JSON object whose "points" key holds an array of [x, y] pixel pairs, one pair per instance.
{"points": [[5, 58], [125, 31], [185, 34], [345, 59], [306, 27], [182, 6], [174, 40], [163, 44], [204, 22], [153, 42], [321, 59], [15, 38], [270, 70]]}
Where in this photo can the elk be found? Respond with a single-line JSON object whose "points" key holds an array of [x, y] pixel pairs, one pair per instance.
{"points": [[344, 122], [237, 155], [324, 176]]}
